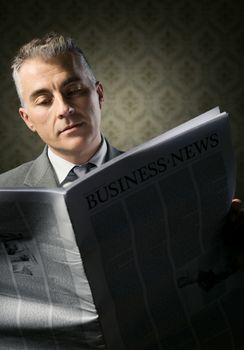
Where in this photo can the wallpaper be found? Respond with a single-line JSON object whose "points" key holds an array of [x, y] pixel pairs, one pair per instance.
{"points": [[161, 63]]}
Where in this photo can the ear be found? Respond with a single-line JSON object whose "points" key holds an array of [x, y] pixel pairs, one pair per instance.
{"points": [[99, 89], [25, 116]]}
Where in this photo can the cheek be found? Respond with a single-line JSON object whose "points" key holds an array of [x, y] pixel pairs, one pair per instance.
{"points": [[95, 111], [95, 117], [92, 113], [37, 116], [42, 123]]}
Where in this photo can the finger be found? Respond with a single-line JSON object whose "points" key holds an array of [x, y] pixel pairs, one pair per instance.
{"points": [[235, 210], [234, 226], [236, 202]]}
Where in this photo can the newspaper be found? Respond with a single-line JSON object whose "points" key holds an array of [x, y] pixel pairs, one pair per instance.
{"points": [[144, 229]]}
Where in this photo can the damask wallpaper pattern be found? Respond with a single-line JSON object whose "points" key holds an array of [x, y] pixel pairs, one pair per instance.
{"points": [[161, 62]]}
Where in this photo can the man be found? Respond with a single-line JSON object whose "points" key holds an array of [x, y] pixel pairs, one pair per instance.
{"points": [[61, 101]]}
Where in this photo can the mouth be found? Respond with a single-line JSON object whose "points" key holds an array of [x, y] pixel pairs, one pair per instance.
{"points": [[71, 127]]}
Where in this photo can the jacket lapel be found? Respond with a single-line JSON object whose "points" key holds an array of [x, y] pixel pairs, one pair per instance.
{"points": [[41, 173], [111, 152]]}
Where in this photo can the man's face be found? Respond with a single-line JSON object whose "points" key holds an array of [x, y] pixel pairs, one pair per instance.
{"points": [[62, 105]]}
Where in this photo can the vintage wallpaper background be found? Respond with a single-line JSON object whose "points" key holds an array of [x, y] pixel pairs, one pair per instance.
{"points": [[161, 63]]}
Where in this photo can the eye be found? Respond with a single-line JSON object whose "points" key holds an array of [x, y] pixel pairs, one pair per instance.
{"points": [[76, 90], [43, 101]]}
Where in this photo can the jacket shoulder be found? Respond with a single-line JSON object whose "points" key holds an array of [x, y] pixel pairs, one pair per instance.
{"points": [[15, 177]]}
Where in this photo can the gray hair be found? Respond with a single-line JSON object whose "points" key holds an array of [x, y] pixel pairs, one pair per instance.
{"points": [[51, 45]]}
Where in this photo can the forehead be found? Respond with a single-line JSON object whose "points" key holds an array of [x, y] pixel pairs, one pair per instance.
{"points": [[37, 71]]}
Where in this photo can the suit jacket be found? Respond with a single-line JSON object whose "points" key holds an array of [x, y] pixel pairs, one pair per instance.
{"points": [[39, 172]]}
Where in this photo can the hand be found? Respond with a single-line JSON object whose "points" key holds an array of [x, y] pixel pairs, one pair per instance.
{"points": [[233, 231]]}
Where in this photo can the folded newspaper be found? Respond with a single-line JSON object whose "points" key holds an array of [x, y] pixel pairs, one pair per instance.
{"points": [[145, 228]]}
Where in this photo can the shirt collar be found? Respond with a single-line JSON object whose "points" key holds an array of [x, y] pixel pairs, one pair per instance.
{"points": [[62, 167]]}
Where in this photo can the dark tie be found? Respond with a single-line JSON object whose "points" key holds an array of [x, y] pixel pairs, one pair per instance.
{"points": [[77, 171]]}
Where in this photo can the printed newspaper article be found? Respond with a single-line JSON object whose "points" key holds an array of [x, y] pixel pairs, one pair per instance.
{"points": [[145, 230]]}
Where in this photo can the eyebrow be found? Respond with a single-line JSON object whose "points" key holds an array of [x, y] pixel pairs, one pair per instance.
{"points": [[42, 91], [73, 79]]}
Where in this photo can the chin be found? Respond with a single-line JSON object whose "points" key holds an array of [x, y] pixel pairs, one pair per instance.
{"points": [[78, 145]]}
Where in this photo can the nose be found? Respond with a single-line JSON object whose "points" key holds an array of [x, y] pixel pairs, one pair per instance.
{"points": [[64, 107]]}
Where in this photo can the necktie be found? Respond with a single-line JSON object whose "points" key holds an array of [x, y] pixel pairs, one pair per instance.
{"points": [[78, 171]]}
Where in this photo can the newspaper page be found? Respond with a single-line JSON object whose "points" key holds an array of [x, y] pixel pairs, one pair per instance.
{"points": [[148, 228], [44, 294]]}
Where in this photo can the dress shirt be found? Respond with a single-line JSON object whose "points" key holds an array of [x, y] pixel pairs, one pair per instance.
{"points": [[62, 167], [88, 316]]}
